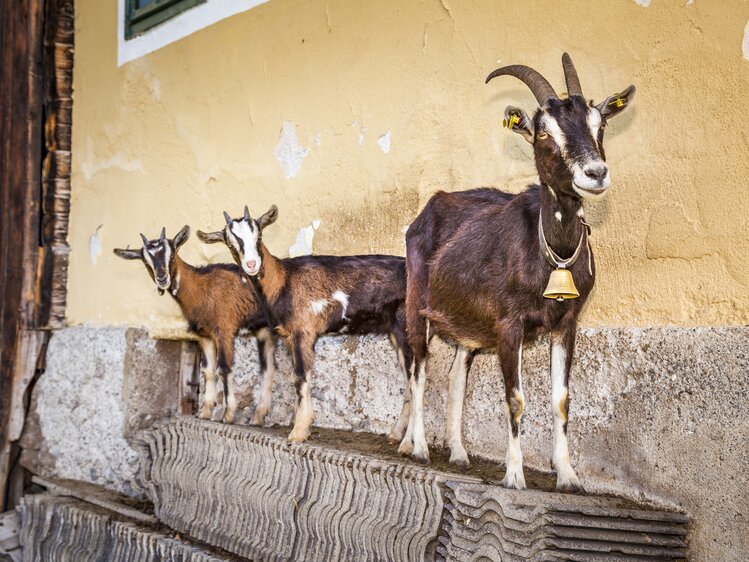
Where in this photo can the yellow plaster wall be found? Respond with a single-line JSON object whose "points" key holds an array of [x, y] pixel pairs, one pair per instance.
{"points": [[181, 134]]}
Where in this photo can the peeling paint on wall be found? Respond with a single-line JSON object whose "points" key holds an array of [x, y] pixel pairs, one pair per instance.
{"points": [[288, 151], [303, 244], [745, 45], [643, 3], [384, 141], [362, 132], [90, 167], [94, 245]]}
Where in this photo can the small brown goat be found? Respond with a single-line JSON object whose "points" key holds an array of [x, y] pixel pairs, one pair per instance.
{"points": [[310, 296], [218, 303]]}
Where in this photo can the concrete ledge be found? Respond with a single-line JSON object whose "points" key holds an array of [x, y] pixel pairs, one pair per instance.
{"points": [[63, 529], [251, 493]]}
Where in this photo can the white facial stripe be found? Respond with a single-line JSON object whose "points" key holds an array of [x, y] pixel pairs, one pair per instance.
{"points": [[594, 123], [248, 234], [550, 125], [148, 256], [148, 259]]}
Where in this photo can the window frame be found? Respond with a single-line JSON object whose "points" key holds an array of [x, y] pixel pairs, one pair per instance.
{"points": [[140, 20]]}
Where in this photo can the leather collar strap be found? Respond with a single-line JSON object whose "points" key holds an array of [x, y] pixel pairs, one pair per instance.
{"points": [[552, 257]]}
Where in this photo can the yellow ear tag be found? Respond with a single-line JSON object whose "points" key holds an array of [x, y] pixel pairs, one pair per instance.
{"points": [[514, 120], [618, 102]]}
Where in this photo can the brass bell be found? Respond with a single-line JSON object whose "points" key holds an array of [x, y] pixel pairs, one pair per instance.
{"points": [[561, 286]]}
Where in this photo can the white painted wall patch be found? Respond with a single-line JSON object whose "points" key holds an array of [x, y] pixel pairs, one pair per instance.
{"points": [[745, 44], [384, 141], [94, 245], [303, 244], [362, 132], [643, 3], [288, 151]]}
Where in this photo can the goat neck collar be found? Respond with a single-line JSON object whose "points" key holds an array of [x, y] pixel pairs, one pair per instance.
{"points": [[552, 257]]}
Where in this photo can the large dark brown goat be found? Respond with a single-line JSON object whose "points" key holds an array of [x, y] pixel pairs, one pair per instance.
{"points": [[218, 303], [478, 262], [309, 296]]}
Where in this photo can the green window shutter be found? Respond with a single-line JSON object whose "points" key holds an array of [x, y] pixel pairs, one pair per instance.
{"points": [[141, 15]]}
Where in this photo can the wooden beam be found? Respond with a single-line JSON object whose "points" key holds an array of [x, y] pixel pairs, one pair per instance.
{"points": [[21, 30], [52, 272]]}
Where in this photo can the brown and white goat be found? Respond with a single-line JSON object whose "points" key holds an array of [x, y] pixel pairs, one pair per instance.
{"points": [[477, 267], [310, 296], [218, 303]]}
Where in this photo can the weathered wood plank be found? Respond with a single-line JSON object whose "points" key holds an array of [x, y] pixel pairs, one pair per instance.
{"points": [[52, 269]]}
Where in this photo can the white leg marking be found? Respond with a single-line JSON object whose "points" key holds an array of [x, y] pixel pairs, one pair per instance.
{"points": [[566, 477], [514, 477], [209, 373], [304, 416], [455, 396], [420, 450], [263, 405], [407, 444], [342, 298]]}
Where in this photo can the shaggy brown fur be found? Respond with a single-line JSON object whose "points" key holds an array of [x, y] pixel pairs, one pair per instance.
{"points": [[314, 295], [217, 302]]}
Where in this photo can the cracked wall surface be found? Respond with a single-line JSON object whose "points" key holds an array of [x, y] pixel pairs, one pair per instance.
{"points": [[100, 386], [295, 103]]}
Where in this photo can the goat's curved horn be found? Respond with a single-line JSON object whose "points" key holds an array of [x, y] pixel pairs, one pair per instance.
{"points": [[227, 217], [145, 240], [247, 213], [532, 78], [163, 233], [570, 77]]}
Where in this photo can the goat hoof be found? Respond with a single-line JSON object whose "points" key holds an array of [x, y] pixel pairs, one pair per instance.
{"points": [[423, 458], [406, 447], [395, 436], [421, 454], [461, 463], [514, 479], [204, 414], [228, 418], [569, 484], [298, 435], [257, 420]]}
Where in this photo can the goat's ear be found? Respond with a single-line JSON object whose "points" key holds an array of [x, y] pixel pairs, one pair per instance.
{"points": [[211, 237], [128, 254], [181, 237], [268, 218], [518, 121], [613, 105]]}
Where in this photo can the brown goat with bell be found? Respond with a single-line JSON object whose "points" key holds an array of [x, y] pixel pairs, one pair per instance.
{"points": [[479, 264]]}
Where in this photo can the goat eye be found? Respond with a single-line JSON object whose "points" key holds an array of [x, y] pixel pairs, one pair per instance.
{"points": [[542, 136]]}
